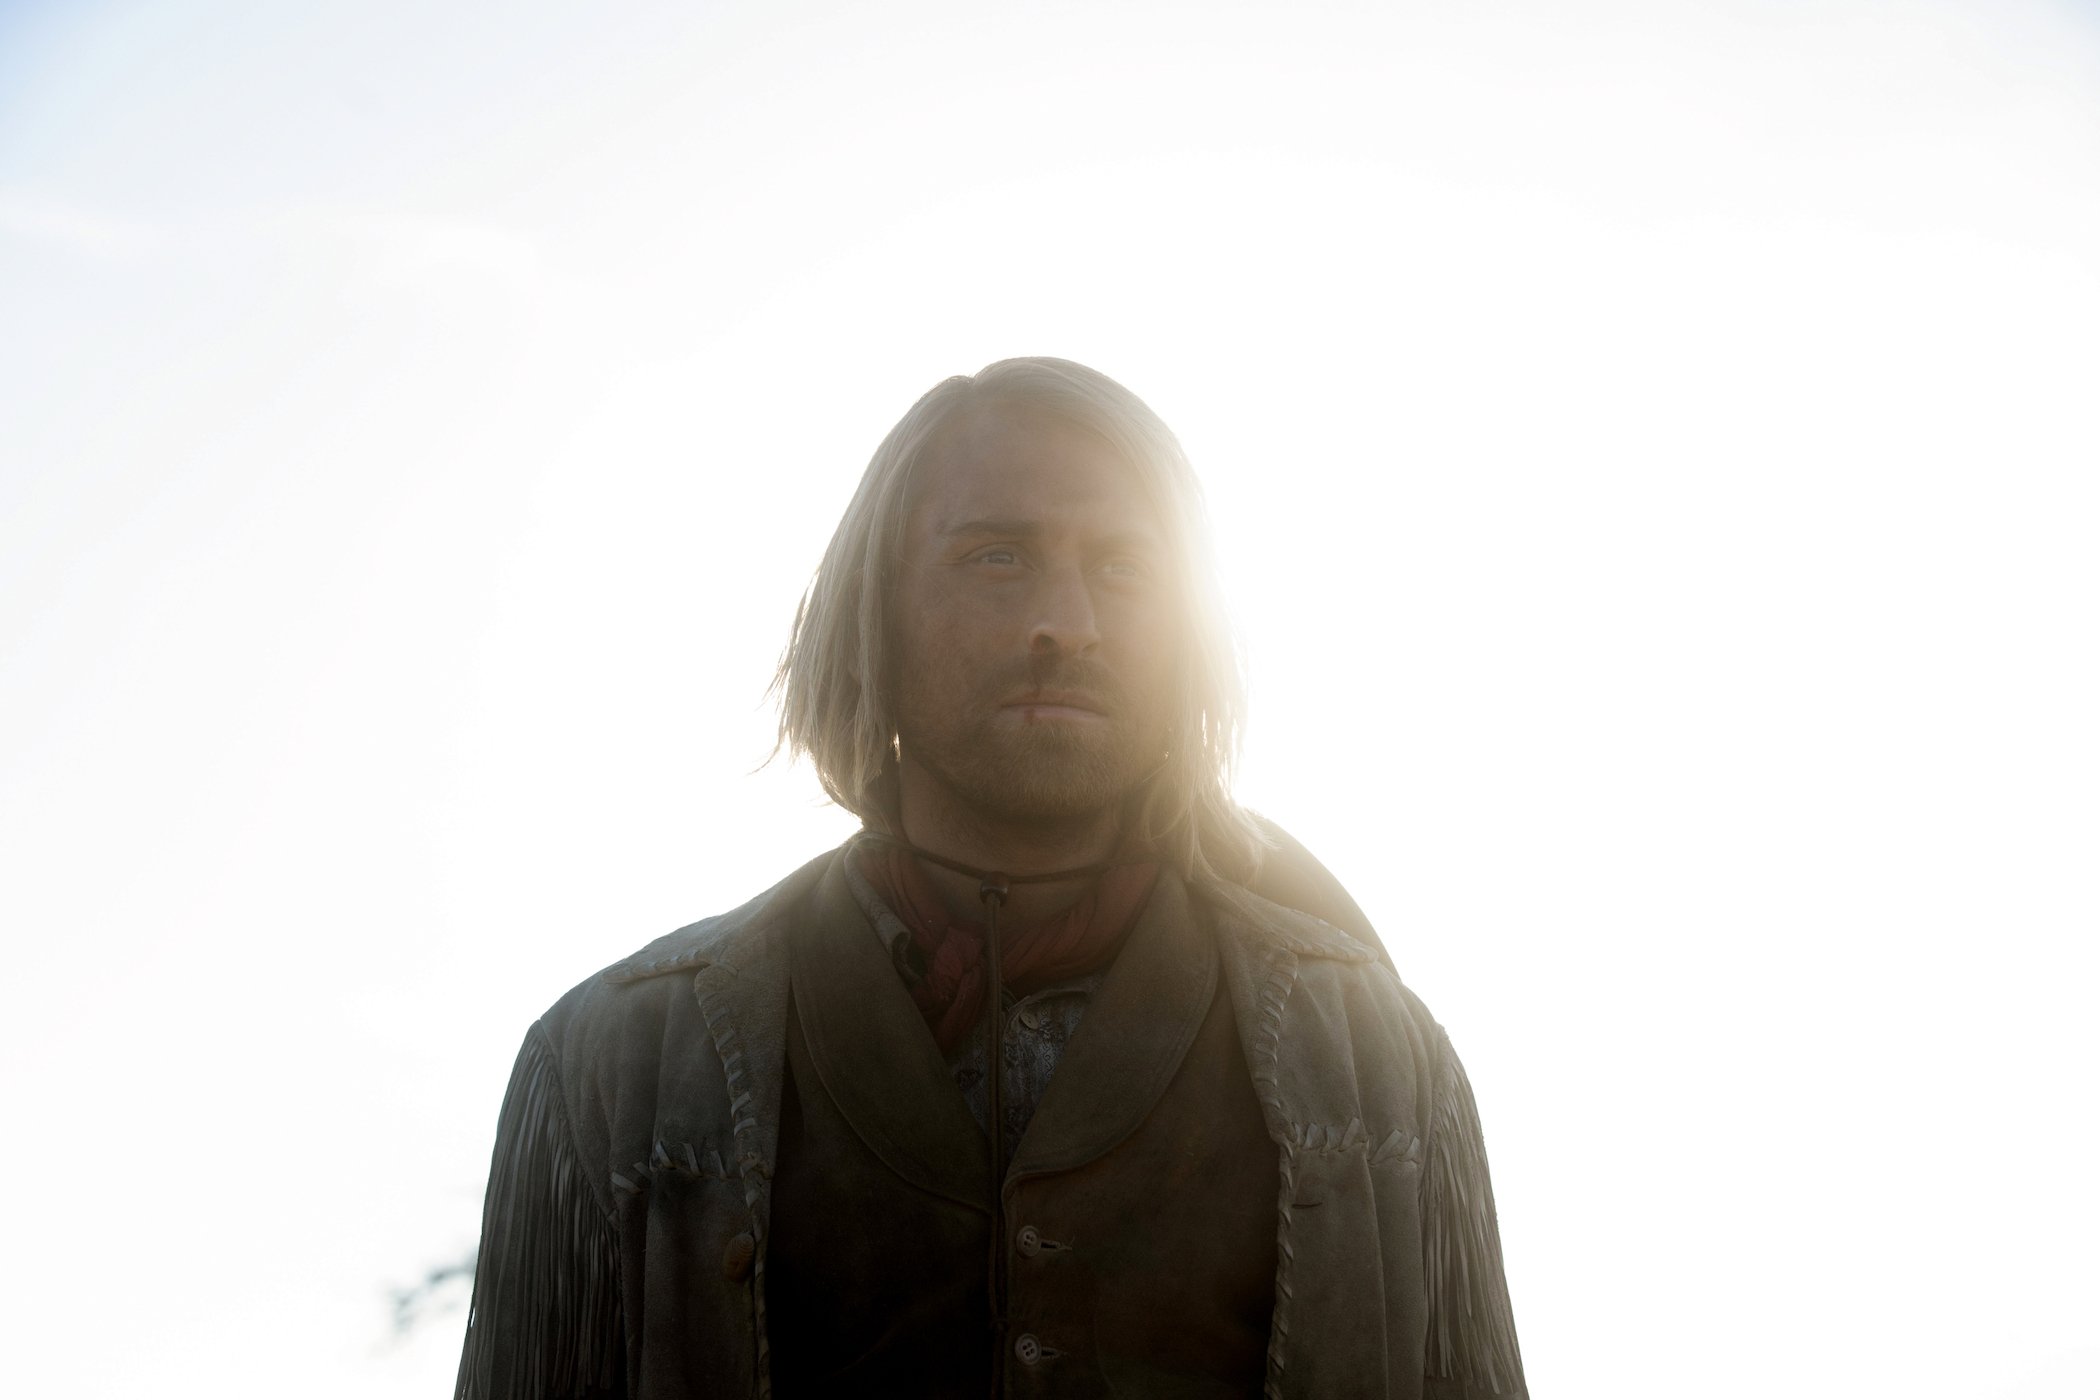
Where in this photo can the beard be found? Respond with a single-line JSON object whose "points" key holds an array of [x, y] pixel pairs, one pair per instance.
{"points": [[1032, 774]]}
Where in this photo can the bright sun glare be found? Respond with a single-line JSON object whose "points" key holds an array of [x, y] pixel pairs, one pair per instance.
{"points": [[1652, 450]]}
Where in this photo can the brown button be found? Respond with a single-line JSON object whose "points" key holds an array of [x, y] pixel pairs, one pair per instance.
{"points": [[736, 1259], [1028, 1348], [1029, 1241]]}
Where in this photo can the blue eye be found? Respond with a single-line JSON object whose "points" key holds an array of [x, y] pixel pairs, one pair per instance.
{"points": [[1001, 555]]}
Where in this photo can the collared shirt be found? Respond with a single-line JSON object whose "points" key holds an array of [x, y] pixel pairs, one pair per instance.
{"points": [[1038, 1026]]}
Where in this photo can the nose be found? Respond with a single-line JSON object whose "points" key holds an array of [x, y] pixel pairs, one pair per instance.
{"points": [[1065, 620]]}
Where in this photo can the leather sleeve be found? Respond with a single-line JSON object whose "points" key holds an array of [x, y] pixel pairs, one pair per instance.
{"points": [[1472, 1345], [545, 1323]]}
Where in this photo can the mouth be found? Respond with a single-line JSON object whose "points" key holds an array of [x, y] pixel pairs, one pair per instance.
{"points": [[1056, 705]]}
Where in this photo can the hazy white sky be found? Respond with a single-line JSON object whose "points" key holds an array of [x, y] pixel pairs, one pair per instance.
{"points": [[1654, 450]]}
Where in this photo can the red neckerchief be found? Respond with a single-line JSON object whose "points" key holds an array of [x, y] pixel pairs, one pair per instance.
{"points": [[949, 956]]}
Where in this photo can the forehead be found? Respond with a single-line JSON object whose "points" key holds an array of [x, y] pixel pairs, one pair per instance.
{"points": [[1017, 462]]}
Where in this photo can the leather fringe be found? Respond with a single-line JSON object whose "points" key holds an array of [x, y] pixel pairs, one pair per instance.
{"points": [[1472, 1332], [545, 1320]]}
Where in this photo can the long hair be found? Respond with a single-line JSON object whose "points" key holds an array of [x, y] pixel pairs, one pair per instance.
{"points": [[834, 680]]}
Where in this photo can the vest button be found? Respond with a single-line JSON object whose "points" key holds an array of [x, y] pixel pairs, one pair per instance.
{"points": [[736, 1259], [1028, 1348], [1029, 1241]]}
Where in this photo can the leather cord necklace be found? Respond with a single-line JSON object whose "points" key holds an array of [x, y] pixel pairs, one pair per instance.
{"points": [[993, 886]]}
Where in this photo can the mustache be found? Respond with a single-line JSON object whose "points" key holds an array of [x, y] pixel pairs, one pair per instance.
{"points": [[1060, 673]]}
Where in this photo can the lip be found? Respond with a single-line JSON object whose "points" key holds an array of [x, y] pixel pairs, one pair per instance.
{"points": [[1057, 705]]}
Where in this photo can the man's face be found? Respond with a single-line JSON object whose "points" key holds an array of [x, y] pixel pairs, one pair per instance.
{"points": [[1036, 622]]}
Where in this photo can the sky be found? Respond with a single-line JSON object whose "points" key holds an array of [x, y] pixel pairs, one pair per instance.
{"points": [[1653, 452]]}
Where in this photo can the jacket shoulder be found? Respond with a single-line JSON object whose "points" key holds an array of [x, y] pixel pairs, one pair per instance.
{"points": [[1279, 926], [1348, 973], [718, 936], [619, 991]]}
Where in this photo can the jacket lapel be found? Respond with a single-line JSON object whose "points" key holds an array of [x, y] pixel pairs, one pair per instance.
{"points": [[1328, 1334], [740, 985], [1131, 1041], [874, 1053]]}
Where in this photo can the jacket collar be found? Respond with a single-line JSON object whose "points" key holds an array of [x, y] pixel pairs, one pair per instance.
{"points": [[721, 935]]}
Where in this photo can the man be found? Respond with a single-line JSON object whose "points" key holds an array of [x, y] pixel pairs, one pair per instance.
{"points": [[1066, 1076]]}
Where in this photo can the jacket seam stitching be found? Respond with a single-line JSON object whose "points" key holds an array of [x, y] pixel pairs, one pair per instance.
{"points": [[1282, 976], [751, 1168]]}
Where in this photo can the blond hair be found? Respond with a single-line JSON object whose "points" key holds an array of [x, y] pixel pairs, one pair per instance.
{"points": [[833, 683]]}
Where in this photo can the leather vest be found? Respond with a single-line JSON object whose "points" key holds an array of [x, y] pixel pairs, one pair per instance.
{"points": [[1141, 1201]]}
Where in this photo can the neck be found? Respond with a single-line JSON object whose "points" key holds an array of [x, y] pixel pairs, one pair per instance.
{"points": [[934, 820]]}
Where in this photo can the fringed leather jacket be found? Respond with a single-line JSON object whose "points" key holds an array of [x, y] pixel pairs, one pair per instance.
{"points": [[629, 1209]]}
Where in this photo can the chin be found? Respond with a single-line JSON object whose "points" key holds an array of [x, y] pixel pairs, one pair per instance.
{"points": [[1053, 783], [1041, 773]]}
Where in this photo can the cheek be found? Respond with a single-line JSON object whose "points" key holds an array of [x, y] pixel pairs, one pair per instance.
{"points": [[1152, 654], [954, 620], [946, 642], [1149, 627], [923, 612], [944, 645]]}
